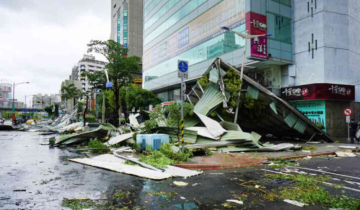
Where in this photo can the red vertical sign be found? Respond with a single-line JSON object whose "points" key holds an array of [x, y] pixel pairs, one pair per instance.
{"points": [[256, 25]]}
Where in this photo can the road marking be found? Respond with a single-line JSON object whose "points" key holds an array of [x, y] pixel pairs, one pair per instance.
{"points": [[325, 172], [348, 188], [276, 172]]}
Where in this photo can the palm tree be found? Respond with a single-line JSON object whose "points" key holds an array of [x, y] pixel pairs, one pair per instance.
{"points": [[70, 92]]}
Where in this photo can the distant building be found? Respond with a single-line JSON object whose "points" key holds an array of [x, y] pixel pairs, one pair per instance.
{"points": [[68, 105], [86, 64], [41, 101], [6, 97], [127, 24], [74, 73]]}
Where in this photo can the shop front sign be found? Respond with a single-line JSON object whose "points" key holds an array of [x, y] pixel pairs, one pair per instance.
{"points": [[314, 110], [322, 91], [256, 25]]}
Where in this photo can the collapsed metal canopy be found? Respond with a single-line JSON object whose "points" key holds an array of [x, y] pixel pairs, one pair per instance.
{"points": [[280, 118]]}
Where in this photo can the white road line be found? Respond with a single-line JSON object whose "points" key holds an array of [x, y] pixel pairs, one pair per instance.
{"points": [[325, 172], [276, 172], [348, 188]]}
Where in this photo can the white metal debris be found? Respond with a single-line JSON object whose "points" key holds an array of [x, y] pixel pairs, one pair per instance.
{"points": [[213, 127], [296, 203], [180, 184], [235, 201], [115, 164], [120, 138], [345, 154]]}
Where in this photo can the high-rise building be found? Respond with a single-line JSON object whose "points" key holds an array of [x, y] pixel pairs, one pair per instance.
{"points": [[87, 64], [126, 24], [310, 59], [40, 101], [6, 96]]}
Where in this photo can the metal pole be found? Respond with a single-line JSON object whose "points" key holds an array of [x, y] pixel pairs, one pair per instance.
{"points": [[241, 79], [182, 113], [25, 101], [13, 105], [348, 125], [103, 108]]}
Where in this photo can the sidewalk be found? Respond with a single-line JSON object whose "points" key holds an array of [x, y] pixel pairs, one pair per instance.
{"points": [[246, 159]]}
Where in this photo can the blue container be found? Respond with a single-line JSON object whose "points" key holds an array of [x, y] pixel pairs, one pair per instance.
{"points": [[150, 142]]}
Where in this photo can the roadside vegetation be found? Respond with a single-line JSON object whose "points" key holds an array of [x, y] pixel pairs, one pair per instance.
{"points": [[310, 190]]}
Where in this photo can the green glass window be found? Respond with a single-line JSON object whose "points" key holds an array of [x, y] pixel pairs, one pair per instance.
{"points": [[284, 2], [162, 11], [212, 48], [279, 27], [180, 14], [151, 6]]}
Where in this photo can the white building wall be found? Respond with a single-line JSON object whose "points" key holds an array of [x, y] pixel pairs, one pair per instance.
{"points": [[335, 25]]}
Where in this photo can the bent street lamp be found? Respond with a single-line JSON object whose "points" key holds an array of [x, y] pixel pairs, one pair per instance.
{"points": [[245, 36]]}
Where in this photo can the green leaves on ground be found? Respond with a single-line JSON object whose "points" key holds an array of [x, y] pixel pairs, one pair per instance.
{"points": [[308, 189], [156, 159], [98, 147], [165, 156]]}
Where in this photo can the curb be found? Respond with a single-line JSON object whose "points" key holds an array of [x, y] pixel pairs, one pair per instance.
{"points": [[314, 154], [213, 167], [216, 167]]}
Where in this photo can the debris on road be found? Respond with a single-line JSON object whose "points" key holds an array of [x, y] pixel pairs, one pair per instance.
{"points": [[345, 154], [111, 162], [235, 201], [180, 184], [296, 203]]}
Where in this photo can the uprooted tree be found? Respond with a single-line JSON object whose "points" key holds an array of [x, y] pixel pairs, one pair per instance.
{"points": [[120, 67]]}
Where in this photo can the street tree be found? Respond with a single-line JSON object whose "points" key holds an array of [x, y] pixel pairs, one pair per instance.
{"points": [[137, 97], [174, 118], [120, 67], [70, 92], [98, 82]]}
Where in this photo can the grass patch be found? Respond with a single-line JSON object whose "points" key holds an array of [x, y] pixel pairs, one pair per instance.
{"points": [[122, 194], [307, 189], [78, 204], [98, 147], [162, 193], [311, 148]]}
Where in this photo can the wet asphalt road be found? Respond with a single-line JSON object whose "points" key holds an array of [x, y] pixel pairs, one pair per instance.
{"points": [[45, 177]]}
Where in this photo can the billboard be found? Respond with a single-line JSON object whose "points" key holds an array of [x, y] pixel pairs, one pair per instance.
{"points": [[321, 91], [256, 25], [229, 13], [314, 110]]}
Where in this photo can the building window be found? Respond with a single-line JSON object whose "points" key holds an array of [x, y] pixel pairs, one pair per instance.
{"points": [[280, 27]]}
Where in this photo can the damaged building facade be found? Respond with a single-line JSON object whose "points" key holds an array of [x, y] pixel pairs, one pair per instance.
{"points": [[305, 61]]}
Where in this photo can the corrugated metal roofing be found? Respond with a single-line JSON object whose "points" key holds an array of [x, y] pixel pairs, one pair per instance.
{"points": [[290, 120], [300, 126], [252, 92], [214, 127], [236, 135], [214, 75], [212, 98]]}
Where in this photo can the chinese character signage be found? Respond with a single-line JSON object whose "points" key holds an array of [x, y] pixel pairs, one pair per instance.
{"points": [[256, 25], [319, 92], [314, 110]]}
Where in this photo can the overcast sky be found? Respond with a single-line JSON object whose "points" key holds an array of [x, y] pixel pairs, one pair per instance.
{"points": [[41, 40]]}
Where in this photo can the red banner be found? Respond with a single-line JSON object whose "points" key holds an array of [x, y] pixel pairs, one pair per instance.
{"points": [[256, 25], [322, 91]]}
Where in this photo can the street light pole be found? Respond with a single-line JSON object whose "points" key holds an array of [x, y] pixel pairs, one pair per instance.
{"points": [[245, 36], [13, 105]]}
